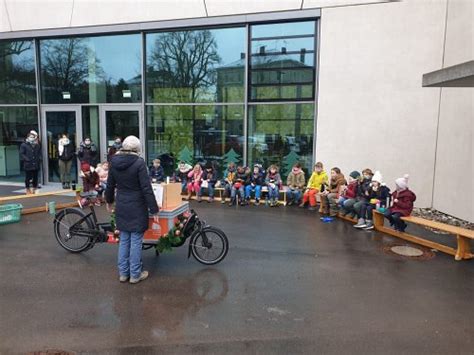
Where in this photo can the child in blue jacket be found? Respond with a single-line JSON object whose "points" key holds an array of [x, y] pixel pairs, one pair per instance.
{"points": [[157, 174], [254, 184]]}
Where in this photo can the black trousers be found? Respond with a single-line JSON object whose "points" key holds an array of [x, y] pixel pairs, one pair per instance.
{"points": [[31, 175], [394, 219]]}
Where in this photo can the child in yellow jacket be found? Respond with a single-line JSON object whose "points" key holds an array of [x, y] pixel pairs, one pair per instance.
{"points": [[315, 183]]}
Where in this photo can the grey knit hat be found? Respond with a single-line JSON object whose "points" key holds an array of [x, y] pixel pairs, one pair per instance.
{"points": [[132, 144], [355, 174]]}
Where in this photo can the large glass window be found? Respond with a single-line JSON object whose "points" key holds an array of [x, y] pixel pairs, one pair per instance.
{"points": [[195, 133], [205, 65], [282, 61], [91, 69], [281, 134], [15, 123], [17, 72]]}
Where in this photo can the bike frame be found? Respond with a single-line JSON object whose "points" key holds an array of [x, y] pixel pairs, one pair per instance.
{"points": [[93, 233]]}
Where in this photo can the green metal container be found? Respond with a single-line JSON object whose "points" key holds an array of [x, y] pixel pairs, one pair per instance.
{"points": [[10, 213]]}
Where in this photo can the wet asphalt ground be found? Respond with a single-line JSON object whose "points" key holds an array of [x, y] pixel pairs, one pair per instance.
{"points": [[289, 285]]}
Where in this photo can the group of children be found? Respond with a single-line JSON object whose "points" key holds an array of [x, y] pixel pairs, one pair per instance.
{"points": [[94, 179], [358, 195], [239, 182]]}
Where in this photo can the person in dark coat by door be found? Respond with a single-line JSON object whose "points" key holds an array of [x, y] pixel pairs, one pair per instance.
{"points": [[30, 156], [134, 201], [88, 152], [114, 148]]}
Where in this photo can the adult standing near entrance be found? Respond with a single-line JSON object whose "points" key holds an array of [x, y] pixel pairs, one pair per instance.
{"points": [[114, 148], [66, 152], [134, 201], [88, 152], [30, 156]]}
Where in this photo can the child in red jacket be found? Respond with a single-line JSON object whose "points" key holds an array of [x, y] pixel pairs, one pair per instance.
{"points": [[90, 182], [402, 204], [349, 193]]}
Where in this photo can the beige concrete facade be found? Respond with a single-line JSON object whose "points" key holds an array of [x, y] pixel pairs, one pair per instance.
{"points": [[454, 172], [372, 110]]}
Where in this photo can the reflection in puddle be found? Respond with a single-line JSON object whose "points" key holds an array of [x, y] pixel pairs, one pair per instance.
{"points": [[159, 312]]}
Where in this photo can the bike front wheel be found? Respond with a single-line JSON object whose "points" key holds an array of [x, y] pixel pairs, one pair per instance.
{"points": [[67, 225], [209, 246]]}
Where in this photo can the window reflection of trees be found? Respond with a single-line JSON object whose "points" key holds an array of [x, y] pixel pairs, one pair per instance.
{"points": [[181, 66], [69, 65], [17, 72], [73, 65]]}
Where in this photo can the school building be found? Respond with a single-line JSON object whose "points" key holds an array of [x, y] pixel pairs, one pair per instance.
{"points": [[352, 83]]}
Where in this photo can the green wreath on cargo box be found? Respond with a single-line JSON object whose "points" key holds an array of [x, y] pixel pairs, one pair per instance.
{"points": [[174, 237]]}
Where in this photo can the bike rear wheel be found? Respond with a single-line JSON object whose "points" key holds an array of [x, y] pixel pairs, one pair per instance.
{"points": [[209, 246], [62, 230]]}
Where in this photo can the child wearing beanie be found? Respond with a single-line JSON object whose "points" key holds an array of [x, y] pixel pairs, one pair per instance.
{"points": [[90, 181], [348, 196], [402, 204], [378, 195]]}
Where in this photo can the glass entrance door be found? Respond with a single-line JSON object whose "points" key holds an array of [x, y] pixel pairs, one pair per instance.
{"points": [[60, 122], [119, 122]]}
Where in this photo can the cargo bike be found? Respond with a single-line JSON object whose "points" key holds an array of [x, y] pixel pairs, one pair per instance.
{"points": [[78, 231]]}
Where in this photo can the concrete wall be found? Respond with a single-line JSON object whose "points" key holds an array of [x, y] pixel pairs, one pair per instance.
{"points": [[454, 175], [373, 111]]}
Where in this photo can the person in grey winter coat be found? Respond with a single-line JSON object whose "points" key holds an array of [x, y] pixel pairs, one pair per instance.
{"points": [[134, 201]]}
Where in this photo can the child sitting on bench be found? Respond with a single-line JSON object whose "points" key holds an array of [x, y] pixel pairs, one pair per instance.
{"points": [[402, 204]]}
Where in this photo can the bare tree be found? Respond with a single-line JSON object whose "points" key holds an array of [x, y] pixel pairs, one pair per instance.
{"points": [[66, 64], [184, 62]]}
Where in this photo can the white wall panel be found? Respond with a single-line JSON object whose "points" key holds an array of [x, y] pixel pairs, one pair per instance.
{"points": [[30, 14], [454, 180], [96, 12], [453, 190], [231, 7], [329, 3], [460, 32], [4, 22]]}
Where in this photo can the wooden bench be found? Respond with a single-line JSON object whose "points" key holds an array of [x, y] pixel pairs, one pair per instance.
{"points": [[220, 191], [40, 208], [463, 236]]}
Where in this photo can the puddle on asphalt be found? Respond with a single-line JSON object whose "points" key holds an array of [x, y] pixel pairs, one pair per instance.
{"points": [[162, 314]]}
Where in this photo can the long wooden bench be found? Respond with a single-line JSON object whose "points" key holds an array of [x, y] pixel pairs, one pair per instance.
{"points": [[221, 190], [463, 235], [43, 208]]}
